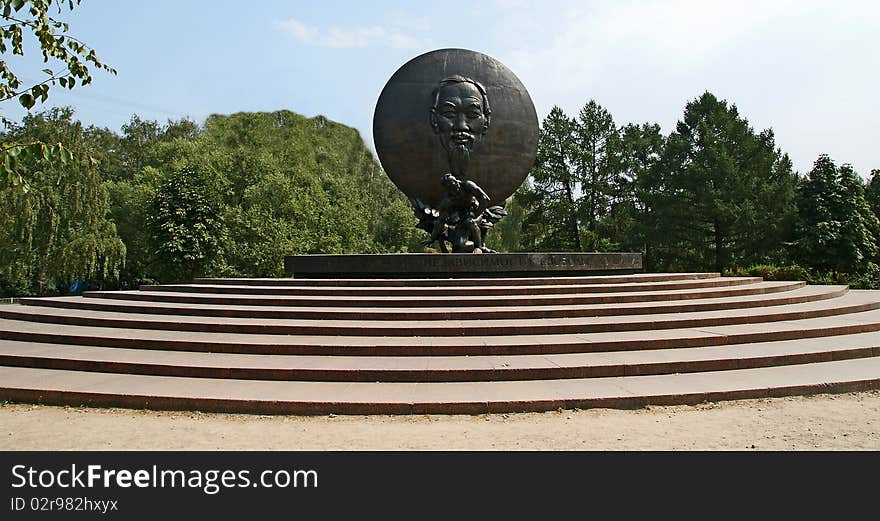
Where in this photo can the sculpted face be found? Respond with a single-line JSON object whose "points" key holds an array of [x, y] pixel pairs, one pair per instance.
{"points": [[459, 115], [460, 118]]}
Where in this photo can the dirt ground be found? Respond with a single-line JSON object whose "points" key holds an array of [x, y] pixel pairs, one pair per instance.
{"points": [[823, 422]]}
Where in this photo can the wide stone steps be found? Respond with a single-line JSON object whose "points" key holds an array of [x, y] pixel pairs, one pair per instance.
{"points": [[435, 368], [847, 303], [440, 345], [462, 301], [415, 345], [328, 311], [282, 397], [490, 289]]}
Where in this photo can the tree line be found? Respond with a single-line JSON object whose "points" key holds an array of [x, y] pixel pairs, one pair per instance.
{"points": [[88, 207], [162, 203], [233, 196], [713, 195]]}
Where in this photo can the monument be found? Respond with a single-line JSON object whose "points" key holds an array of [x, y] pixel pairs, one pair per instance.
{"points": [[456, 131], [426, 333]]}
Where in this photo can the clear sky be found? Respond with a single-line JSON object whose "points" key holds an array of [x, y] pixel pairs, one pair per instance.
{"points": [[810, 70]]}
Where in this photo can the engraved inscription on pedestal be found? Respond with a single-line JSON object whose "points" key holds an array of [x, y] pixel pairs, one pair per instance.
{"points": [[458, 264]]}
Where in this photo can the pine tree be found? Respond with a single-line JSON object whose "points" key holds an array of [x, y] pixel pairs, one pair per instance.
{"points": [[552, 221], [596, 157], [722, 193], [626, 224], [872, 192]]}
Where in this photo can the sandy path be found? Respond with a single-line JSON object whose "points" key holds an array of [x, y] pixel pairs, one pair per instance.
{"points": [[823, 422]]}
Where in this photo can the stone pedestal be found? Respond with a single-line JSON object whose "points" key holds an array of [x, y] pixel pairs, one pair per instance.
{"points": [[461, 265]]}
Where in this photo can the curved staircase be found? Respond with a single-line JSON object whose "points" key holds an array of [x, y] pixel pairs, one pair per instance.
{"points": [[401, 346]]}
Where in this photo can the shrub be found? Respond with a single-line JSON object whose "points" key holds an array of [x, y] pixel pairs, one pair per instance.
{"points": [[771, 272]]}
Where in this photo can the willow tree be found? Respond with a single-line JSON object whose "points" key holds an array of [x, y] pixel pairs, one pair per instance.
{"points": [[58, 230]]}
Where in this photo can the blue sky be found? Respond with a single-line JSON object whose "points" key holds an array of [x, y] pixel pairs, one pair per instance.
{"points": [[808, 69]]}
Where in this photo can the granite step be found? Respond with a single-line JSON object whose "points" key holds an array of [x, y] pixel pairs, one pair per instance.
{"points": [[485, 290], [851, 302], [435, 282], [757, 288], [793, 295], [63, 387], [437, 368], [425, 345]]}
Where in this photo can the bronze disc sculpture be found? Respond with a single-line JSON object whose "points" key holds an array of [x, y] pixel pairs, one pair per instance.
{"points": [[457, 132]]}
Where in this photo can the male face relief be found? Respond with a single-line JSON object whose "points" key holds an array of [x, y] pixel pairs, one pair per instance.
{"points": [[460, 117]]}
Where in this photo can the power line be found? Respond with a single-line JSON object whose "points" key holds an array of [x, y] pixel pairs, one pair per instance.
{"points": [[83, 94]]}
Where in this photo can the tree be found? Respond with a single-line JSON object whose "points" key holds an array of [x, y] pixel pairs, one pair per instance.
{"points": [[507, 235], [872, 192], [58, 49], [312, 180], [136, 148], [59, 230], [134, 166], [286, 185], [631, 214], [552, 220], [55, 44], [722, 195], [596, 157], [186, 224], [836, 229], [230, 199]]}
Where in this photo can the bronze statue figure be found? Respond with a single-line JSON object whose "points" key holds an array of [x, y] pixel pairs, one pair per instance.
{"points": [[462, 217]]}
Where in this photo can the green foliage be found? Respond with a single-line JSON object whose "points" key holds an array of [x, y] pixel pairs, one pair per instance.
{"points": [[868, 278], [233, 197], [596, 157], [507, 234], [133, 186], [301, 185], [552, 223], [286, 185], [772, 272], [872, 192], [722, 195], [185, 224], [32, 16], [178, 201], [15, 153], [395, 231], [586, 189], [55, 45], [836, 228], [59, 229], [631, 218]]}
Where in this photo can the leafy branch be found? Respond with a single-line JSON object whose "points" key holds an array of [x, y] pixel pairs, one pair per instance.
{"points": [[55, 44]]}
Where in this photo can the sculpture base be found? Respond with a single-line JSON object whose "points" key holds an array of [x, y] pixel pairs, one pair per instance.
{"points": [[420, 265]]}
